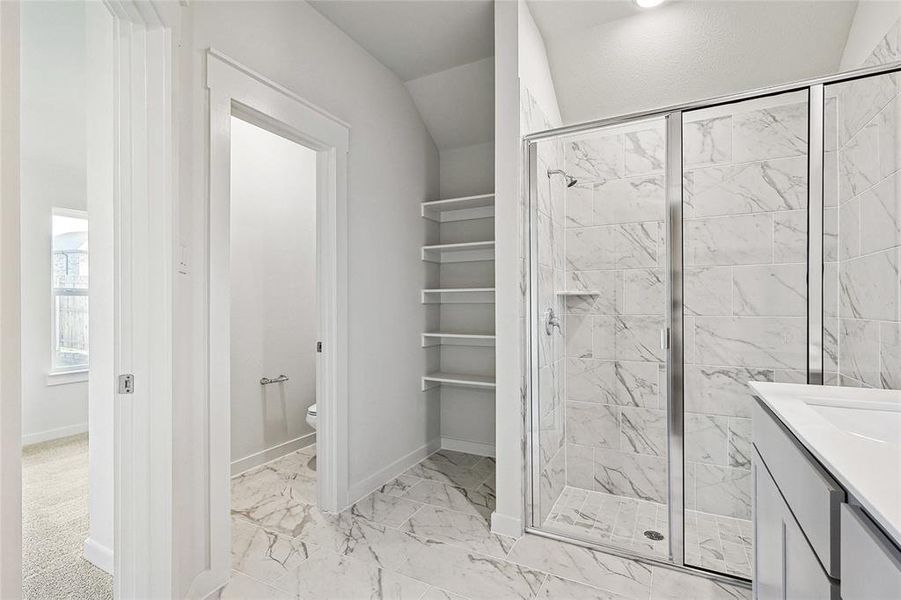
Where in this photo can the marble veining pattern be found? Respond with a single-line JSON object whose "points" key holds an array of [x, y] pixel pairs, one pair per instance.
{"points": [[442, 551], [745, 298], [863, 287]]}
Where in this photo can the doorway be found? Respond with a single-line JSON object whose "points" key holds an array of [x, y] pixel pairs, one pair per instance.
{"points": [[274, 312], [307, 328], [133, 153]]}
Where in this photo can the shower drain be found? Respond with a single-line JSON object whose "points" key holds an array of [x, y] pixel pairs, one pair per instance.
{"points": [[653, 535]]}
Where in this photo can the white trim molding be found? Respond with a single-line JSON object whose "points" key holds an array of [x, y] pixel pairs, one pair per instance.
{"points": [[467, 446], [67, 377], [98, 555], [392, 471], [53, 434], [269, 454], [144, 162], [236, 90]]}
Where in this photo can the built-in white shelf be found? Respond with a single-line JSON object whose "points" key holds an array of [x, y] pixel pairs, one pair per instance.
{"points": [[457, 339], [474, 381], [459, 209], [475, 295], [578, 293], [461, 252]]}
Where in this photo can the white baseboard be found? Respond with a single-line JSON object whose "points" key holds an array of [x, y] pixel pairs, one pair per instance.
{"points": [[270, 454], [506, 525], [477, 448], [380, 478], [53, 434], [98, 555]]}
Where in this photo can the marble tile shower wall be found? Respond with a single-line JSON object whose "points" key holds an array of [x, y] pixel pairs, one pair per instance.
{"points": [[615, 430], [745, 253], [547, 216], [863, 277]]}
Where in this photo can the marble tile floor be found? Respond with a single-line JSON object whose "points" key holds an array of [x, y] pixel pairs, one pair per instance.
{"points": [[713, 542], [423, 536]]}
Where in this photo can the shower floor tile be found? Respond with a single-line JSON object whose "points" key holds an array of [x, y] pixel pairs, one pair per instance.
{"points": [[609, 519], [719, 543], [426, 535], [714, 542]]}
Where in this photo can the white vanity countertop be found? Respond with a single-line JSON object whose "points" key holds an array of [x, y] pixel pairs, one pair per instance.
{"points": [[854, 433]]}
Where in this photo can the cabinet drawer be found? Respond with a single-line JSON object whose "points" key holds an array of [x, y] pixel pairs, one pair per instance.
{"points": [[872, 564], [814, 497]]}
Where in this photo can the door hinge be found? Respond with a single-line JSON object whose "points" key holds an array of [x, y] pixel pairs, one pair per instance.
{"points": [[318, 346], [127, 384], [664, 338]]}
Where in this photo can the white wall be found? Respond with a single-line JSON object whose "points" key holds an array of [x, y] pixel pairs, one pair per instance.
{"points": [[467, 171], [507, 518], [273, 294], [534, 69], [53, 175], [872, 20], [392, 166], [520, 63]]}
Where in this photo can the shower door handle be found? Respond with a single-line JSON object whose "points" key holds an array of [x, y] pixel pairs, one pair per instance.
{"points": [[550, 321]]}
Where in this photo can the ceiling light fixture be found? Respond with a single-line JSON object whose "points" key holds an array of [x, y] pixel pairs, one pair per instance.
{"points": [[648, 3]]}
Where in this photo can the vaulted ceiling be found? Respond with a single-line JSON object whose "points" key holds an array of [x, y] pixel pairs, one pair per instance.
{"points": [[440, 50]]}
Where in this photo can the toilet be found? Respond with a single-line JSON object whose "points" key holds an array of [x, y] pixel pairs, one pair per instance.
{"points": [[311, 416]]}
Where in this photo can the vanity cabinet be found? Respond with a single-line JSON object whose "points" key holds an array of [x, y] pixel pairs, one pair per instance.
{"points": [[810, 540], [786, 565]]}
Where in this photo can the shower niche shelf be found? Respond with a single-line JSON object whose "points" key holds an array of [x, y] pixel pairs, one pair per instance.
{"points": [[459, 209], [461, 252], [438, 378], [473, 295], [457, 339]]}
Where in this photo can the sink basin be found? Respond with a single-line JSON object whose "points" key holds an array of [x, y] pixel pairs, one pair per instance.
{"points": [[874, 421]]}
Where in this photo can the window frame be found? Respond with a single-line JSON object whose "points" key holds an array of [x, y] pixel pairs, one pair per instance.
{"points": [[74, 373]]}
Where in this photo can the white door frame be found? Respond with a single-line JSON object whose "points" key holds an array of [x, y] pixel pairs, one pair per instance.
{"points": [[234, 89], [144, 200]]}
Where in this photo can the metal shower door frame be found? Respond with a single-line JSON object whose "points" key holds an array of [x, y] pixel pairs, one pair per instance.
{"points": [[673, 116]]}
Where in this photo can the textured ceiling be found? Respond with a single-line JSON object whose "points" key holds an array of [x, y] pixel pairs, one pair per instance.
{"points": [[684, 51]]}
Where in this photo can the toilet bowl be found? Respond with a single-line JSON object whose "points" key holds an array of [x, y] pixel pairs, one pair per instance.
{"points": [[311, 416]]}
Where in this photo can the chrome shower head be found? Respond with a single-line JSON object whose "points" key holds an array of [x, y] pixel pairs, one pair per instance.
{"points": [[569, 179]]}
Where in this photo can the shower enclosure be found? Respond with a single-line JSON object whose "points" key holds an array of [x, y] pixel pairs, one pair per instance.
{"points": [[674, 257]]}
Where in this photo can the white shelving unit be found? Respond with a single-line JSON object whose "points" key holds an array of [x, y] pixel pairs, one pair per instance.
{"points": [[462, 328], [459, 252], [438, 378], [474, 295], [459, 339], [459, 209]]}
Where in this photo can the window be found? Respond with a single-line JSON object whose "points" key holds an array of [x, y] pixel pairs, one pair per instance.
{"points": [[69, 272]]}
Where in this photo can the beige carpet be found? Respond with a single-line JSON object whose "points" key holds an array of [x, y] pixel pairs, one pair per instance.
{"points": [[55, 523]]}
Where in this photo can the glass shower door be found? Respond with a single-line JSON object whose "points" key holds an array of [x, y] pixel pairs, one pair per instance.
{"points": [[597, 215], [745, 219]]}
